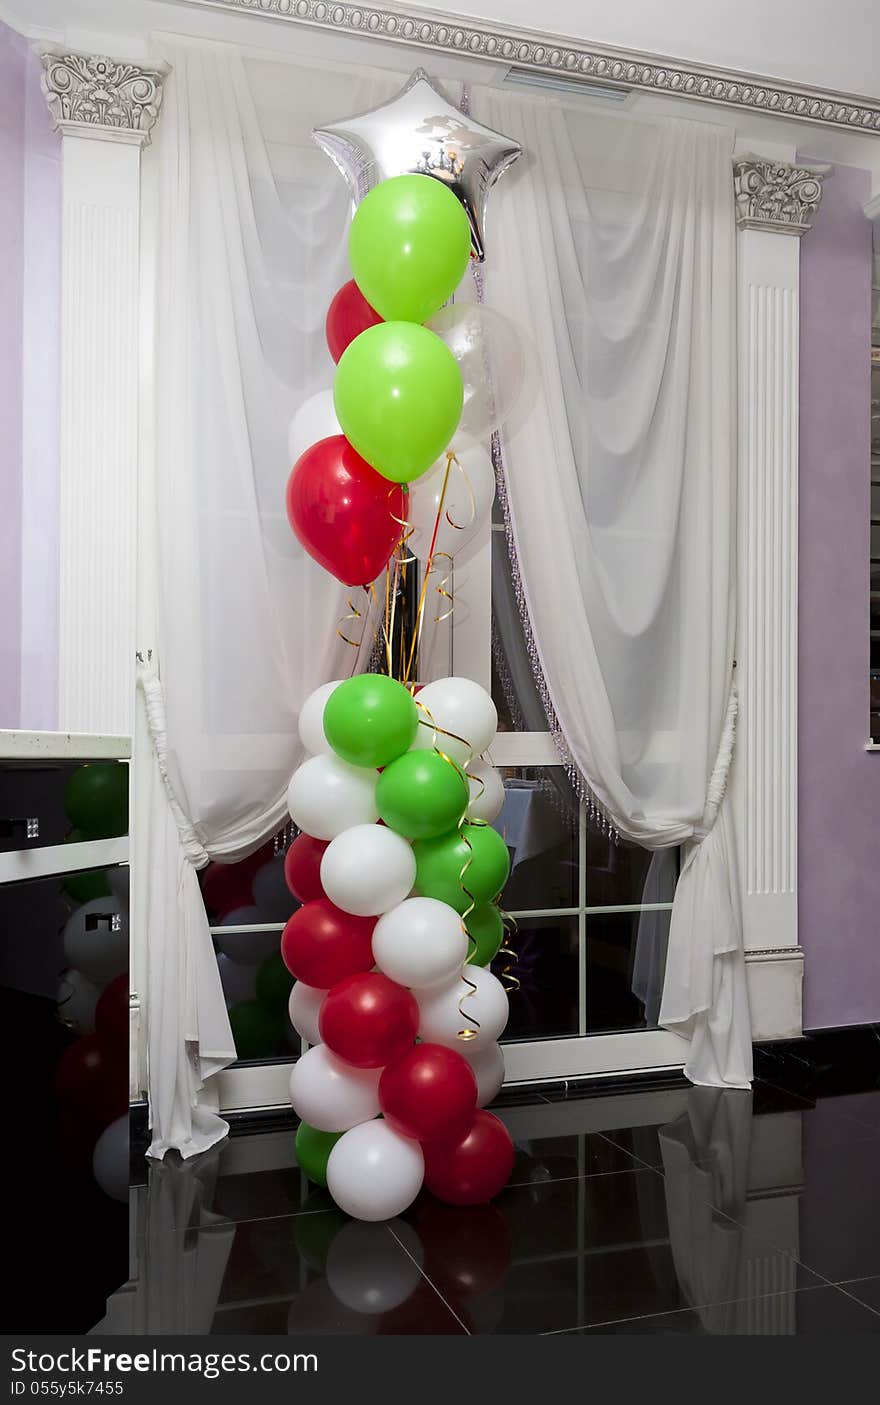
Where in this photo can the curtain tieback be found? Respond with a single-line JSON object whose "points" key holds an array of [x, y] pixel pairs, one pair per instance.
{"points": [[718, 781], [154, 699]]}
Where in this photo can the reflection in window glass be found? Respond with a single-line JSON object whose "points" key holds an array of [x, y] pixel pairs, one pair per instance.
{"points": [[619, 874], [625, 963], [256, 983], [539, 824], [546, 1004]]}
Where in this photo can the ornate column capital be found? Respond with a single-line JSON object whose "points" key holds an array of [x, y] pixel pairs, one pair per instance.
{"points": [[774, 196], [94, 96]]}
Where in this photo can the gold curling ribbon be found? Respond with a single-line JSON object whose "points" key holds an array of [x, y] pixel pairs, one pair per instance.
{"points": [[505, 975], [354, 614], [461, 526], [441, 586], [423, 593]]}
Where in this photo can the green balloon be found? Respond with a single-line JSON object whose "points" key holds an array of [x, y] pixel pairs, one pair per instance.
{"points": [[312, 1150], [96, 799], [398, 394], [257, 1031], [439, 864], [409, 246], [274, 984], [484, 925], [84, 887], [421, 795], [370, 720]]}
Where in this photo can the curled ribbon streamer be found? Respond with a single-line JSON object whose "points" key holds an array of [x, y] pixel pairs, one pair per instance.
{"points": [[423, 593], [406, 530], [510, 982], [441, 586], [354, 614], [462, 526], [438, 731]]}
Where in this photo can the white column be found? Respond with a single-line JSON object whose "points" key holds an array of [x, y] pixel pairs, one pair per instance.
{"points": [[105, 110], [775, 204]]}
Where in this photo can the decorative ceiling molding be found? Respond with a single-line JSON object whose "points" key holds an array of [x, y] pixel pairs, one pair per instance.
{"points": [[774, 196], [555, 56], [95, 96]]}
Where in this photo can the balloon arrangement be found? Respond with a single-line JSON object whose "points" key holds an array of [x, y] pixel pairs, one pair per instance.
{"points": [[397, 867]]}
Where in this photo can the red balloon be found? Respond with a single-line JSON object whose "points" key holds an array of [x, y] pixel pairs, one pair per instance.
{"points": [[348, 315], [345, 514], [321, 944], [429, 1094], [467, 1247], [92, 1081], [302, 867], [112, 1018], [474, 1168], [226, 886], [368, 1020]]}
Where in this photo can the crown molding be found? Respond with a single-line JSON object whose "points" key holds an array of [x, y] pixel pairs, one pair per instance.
{"points": [[556, 56]]}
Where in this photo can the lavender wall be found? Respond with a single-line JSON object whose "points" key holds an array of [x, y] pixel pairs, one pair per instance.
{"points": [[12, 70], [30, 275], [839, 783]]}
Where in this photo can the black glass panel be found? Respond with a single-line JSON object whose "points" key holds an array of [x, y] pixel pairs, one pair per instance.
{"points": [[64, 1017], [44, 803]]}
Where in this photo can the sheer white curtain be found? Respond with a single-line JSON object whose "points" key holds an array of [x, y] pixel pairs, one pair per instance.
{"points": [[612, 244], [250, 247]]}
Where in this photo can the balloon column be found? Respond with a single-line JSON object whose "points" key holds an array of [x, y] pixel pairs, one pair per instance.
{"points": [[397, 867]]}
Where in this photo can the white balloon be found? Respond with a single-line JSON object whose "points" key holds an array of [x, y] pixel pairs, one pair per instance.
{"points": [[239, 981], [327, 796], [368, 869], [421, 942], [467, 502], [93, 945], [311, 719], [491, 355], [315, 419], [304, 1007], [330, 1094], [248, 948], [460, 707], [110, 1160], [486, 791], [373, 1173], [76, 1000], [367, 1271], [446, 1009], [488, 1066]]}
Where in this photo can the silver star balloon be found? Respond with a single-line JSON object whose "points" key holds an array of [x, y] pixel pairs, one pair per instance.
{"points": [[418, 132]]}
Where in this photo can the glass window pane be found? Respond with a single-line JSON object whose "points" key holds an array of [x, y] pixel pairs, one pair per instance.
{"points": [[622, 873], [539, 823], [546, 1004], [625, 961], [255, 981]]}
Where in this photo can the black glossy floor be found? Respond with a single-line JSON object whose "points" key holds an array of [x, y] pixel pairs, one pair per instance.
{"points": [[660, 1210]]}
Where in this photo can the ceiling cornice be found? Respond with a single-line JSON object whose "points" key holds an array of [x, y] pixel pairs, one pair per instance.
{"points": [[557, 56]]}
